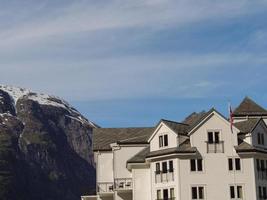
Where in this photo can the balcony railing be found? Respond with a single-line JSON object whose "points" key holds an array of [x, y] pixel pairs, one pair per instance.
{"points": [[123, 184], [166, 176], [215, 147], [105, 187]]}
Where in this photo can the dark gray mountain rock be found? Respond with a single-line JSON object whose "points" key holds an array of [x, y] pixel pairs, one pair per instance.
{"points": [[45, 148]]}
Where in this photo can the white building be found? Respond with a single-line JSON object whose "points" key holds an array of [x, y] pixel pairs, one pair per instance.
{"points": [[200, 158]]}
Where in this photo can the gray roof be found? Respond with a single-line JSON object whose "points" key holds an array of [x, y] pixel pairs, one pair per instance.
{"points": [[193, 118], [178, 128], [183, 148], [249, 108], [103, 137], [140, 157], [247, 126], [244, 147]]}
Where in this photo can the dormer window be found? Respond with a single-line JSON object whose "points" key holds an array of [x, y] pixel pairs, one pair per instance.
{"points": [[163, 140], [260, 138], [213, 137], [214, 142]]}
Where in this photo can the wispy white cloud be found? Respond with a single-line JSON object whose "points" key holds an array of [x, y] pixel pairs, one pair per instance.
{"points": [[35, 48], [88, 16]]}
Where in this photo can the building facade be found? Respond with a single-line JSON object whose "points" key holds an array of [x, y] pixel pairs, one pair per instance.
{"points": [[204, 157]]}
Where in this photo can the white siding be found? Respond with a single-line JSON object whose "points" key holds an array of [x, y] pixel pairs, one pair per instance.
{"points": [[142, 184], [162, 130]]}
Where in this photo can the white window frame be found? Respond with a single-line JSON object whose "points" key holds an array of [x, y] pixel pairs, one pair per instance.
{"points": [[213, 133], [196, 164], [163, 140], [235, 191], [234, 165], [197, 186]]}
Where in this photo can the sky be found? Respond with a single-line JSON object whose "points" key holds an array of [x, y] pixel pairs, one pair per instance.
{"points": [[128, 63]]}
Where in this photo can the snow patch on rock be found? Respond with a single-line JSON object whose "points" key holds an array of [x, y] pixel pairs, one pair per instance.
{"points": [[16, 93]]}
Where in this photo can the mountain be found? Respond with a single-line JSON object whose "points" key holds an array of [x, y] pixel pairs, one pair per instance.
{"points": [[45, 148]]}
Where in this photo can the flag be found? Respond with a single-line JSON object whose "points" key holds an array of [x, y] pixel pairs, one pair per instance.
{"points": [[231, 120]]}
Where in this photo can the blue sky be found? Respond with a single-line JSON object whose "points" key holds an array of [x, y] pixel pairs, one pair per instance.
{"points": [[130, 63]]}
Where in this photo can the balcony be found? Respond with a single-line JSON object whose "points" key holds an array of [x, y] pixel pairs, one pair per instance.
{"points": [[105, 187], [217, 147], [161, 177], [123, 184]]}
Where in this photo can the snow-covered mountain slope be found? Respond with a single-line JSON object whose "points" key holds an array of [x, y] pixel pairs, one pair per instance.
{"points": [[17, 93]]}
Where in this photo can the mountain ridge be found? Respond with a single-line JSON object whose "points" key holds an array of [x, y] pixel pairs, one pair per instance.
{"points": [[45, 147]]}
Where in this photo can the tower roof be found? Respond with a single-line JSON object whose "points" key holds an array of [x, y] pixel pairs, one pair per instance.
{"points": [[248, 107]]}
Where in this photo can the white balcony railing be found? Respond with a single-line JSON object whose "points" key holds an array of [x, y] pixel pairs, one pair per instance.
{"points": [[215, 147], [161, 176], [123, 184], [104, 187]]}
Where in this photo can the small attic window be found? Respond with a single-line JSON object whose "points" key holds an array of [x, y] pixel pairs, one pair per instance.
{"points": [[163, 140], [260, 138]]}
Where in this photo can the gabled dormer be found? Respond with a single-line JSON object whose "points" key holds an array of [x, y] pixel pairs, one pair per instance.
{"points": [[168, 134], [212, 133], [253, 132]]}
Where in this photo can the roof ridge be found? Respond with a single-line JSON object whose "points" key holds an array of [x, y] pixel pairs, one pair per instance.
{"points": [[126, 127], [174, 122]]}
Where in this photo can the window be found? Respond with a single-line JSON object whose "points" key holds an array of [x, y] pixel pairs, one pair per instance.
{"points": [[210, 137], [172, 196], [170, 166], [260, 192], [158, 194], [236, 192], [157, 168], [216, 137], [163, 141], [196, 165], [234, 164], [164, 167], [237, 164], [260, 138], [197, 192], [258, 164], [213, 137], [165, 194], [230, 164], [232, 192], [239, 192], [199, 164], [264, 192]]}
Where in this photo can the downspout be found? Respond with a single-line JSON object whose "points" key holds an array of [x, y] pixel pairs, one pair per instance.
{"points": [[114, 164]]}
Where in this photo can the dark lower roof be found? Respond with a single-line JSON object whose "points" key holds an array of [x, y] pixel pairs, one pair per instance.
{"points": [[249, 108], [184, 148], [103, 137], [247, 148], [247, 126], [140, 157]]}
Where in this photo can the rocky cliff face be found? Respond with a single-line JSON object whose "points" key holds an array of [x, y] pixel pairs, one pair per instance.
{"points": [[45, 148]]}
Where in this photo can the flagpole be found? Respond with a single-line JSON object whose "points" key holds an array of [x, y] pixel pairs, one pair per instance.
{"points": [[232, 134]]}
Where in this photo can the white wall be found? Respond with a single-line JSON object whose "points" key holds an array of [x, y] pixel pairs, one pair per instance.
{"points": [[141, 184], [164, 185], [216, 178], [104, 161], [121, 155], [162, 130]]}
